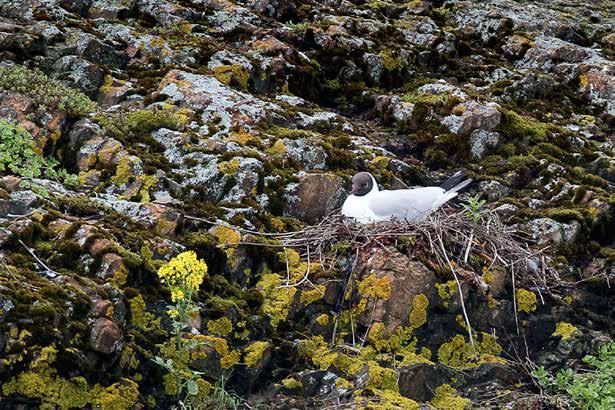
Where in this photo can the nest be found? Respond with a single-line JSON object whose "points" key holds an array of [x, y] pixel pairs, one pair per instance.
{"points": [[457, 241]]}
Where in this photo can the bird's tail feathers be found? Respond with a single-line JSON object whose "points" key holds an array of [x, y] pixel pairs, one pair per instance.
{"points": [[453, 180], [459, 186]]}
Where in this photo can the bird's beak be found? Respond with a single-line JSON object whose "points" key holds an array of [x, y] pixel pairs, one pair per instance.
{"points": [[354, 189]]}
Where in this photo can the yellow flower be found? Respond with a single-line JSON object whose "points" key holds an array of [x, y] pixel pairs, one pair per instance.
{"points": [[173, 313], [183, 274]]}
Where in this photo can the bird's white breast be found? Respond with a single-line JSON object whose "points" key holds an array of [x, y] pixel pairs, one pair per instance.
{"points": [[358, 208]]}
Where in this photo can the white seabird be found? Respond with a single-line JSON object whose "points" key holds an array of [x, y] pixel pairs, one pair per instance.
{"points": [[367, 204]]}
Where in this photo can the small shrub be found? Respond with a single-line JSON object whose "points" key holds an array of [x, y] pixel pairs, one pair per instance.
{"points": [[46, 92], [593, 389], [18, 156]]}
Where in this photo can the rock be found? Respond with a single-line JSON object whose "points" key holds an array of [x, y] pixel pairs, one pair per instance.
{"points": [[419, 381], [106, 337], [82, 131], [217, 101], [164, 12], [109, 9], [515, 46], [442, 87], [473, 116], [402, 111], [506, 210], [481, 142], [11, 208], [319, 120], [546, 230], [314, 197], [112, 266], [79, 73], [233, 19], [375, 66], [306, 152], [408, 278], [493, 190], [420, 31], [158, 216]]}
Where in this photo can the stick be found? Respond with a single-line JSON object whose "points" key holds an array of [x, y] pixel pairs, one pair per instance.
{"points": [[48, 271]]}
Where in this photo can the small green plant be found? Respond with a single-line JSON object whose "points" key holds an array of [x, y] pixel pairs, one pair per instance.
{"points": [[297, 27], [221, 399], [183, 275], [592, 389], [44, 91], [474, 208], [18, 156]]}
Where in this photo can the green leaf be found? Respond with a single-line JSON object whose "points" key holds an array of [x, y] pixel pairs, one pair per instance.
{"points": [[193, 387]]}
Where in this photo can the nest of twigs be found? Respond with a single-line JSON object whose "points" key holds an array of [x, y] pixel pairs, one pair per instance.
{"points": [[462, 242]]}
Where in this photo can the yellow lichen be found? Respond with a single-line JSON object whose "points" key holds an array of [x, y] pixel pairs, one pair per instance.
{"points": [[254, 352], [278, 148], [323, 319], [277, 300], [526, 300], [140, 317], [446, 291], [565, 330], [123, 171], [312, 295], [229, 167], [42, 382], [459, 354], [375, 286], [418, 315], [291, 383], [233, 74], [220, 327], [446, 398]]}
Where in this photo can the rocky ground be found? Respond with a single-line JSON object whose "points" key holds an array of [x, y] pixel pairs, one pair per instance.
{"points": [[258, 113]]}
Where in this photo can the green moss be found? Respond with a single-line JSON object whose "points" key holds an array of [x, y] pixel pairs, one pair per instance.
{"points": [[45, 91], [254, 352], [418, 315], [526, 300], [391, 62], [446, 398], [514, 125], [221, 327], [565, 330], [232, 75]]}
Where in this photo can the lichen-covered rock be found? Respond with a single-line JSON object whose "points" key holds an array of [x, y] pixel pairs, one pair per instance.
{"points": [[315, 196], [218, 102], [406, 279], [106, 337], [471, 116], [546, 230]]}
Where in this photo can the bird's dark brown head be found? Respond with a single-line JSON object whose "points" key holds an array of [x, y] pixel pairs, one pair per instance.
{"points": [[362, 184]]}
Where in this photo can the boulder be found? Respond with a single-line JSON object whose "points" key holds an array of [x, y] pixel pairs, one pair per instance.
{"points": [[314, 197], [546, 230], [106, 337], [408, 278], [470, 116]]}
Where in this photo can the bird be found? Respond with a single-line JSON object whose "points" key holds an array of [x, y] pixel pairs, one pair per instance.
{"points": [[367, 204]]}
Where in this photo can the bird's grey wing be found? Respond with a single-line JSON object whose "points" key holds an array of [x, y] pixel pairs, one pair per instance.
{"points": [[405, 203]]}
